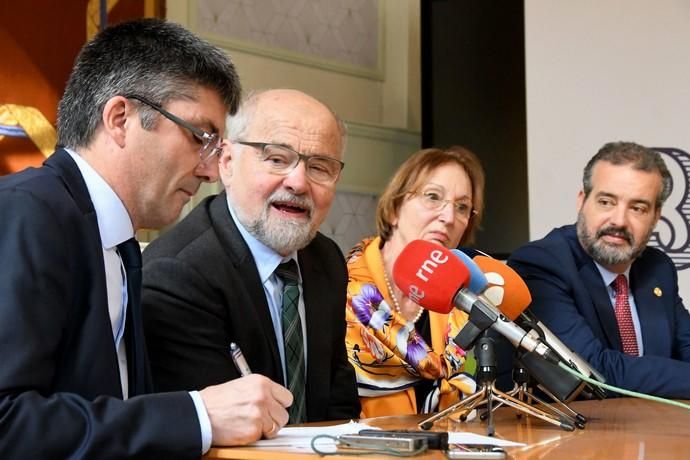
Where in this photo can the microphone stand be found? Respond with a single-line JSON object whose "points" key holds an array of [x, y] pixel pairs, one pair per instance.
{"points": [[487, 393], [522, 391]]}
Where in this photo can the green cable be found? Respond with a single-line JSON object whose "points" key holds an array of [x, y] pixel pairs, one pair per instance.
{"points": [[621, 390], [367, 448]]}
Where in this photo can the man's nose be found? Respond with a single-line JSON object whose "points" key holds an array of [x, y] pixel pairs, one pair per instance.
{"points": [[619, 215], [297, 180], [207, 170]]}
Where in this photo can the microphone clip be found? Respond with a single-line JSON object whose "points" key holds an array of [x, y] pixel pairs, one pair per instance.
{"points": [[479, 320]]}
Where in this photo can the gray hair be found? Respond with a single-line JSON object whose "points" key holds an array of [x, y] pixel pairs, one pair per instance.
{"points": [[238, 123], [640, 157], [150, 57]]}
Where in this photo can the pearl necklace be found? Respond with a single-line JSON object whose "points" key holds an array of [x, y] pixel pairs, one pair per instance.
{"points": [[395, 300]]}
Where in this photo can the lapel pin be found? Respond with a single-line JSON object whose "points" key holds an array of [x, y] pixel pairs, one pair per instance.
{"points": [[657, 291]]}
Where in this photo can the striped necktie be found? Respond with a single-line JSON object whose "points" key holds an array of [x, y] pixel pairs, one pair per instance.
{"points": [[624, 316], [293, 341]]}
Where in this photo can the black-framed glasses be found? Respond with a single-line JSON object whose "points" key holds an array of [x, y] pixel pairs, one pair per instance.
{"points": [[279, 159], [210, 142], [433, 201]]}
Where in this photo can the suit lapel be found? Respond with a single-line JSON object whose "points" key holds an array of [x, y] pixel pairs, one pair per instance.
{"points": [[64, 167], [241, 257], [602, 304], [598, 292], [652, 319]]}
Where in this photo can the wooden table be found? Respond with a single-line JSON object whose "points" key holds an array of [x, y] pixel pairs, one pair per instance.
{"points": [[622, 428]]}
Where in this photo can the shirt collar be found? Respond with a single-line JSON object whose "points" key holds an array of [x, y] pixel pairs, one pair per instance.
{"points": [[266, 259], [114, 223], [608, 276]]}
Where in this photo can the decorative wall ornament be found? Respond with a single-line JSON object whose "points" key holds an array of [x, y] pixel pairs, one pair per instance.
{"points": [[23, 121], [672, 233], [97, 18], [94, 15]]}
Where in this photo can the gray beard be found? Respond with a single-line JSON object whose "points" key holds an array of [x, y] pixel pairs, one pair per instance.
{"points": [[604, 253], [281, 235]]}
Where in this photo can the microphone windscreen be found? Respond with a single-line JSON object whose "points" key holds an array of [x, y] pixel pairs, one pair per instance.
{"points": [[507, 291], [429, 275], [478, 281]]}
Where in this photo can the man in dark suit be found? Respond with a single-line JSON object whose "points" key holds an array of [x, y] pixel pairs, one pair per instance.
{"points": [[215, 278], [138, 125], [597, 285]]}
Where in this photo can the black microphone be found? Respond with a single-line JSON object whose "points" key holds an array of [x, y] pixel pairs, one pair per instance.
{"points": [[569, 357], [512, 297]]}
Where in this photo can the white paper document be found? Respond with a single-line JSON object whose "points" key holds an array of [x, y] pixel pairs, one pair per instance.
{"points": [[299, 438]]}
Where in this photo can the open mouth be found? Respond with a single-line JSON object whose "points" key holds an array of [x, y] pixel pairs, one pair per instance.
{"points": [[291, 208]]}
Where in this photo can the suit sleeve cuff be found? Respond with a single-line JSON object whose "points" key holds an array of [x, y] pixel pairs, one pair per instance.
{"points": [[204, 421]]}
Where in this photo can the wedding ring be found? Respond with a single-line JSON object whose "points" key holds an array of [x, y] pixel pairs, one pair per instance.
{"points": [[273, 428]]}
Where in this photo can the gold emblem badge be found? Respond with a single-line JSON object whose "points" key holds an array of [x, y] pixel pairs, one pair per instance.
{"points": [[657, 291]]}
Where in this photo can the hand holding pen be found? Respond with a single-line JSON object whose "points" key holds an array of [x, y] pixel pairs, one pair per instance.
{"points": [[245, 409]]}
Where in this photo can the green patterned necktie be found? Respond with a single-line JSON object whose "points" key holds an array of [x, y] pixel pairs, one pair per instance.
{"points": [[293, 340]]}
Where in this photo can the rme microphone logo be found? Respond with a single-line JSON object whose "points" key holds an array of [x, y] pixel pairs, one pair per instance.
{"points": [[436, 258], [672, 233]]}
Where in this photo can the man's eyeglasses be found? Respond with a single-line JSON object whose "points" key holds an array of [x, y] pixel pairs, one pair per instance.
{"points": [[279, 159], [433, 201], [210, 142]]}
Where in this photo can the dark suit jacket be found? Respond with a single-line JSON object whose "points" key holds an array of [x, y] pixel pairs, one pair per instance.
{"points": [[60, 394], [569, 296], [202, 291]]}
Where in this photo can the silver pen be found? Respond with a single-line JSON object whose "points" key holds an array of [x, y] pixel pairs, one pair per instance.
{"points": [[238, 359]]}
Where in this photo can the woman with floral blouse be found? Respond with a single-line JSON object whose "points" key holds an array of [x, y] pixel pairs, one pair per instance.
{"points": [[404, 356]]}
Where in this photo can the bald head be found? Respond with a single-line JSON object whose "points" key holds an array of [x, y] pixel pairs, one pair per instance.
{"points": [[280, 106]]}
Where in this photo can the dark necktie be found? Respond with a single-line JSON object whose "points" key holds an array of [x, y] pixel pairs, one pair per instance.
{"points": [[624, 316], [134, 331], [293, 340]]}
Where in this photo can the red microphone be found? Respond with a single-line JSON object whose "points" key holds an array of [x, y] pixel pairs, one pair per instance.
{"points": [[436, 279], [430, 275]]}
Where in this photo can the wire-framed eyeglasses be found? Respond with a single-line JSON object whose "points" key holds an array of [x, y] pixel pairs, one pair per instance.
{"points": [[433, 201], [210, 142], [279, 159]]}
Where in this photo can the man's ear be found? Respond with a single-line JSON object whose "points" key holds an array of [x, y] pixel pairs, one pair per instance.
{"points": [[227, 160], [116, 113]]}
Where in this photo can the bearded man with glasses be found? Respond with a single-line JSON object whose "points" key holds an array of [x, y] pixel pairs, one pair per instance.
{"points": [[222, 274]]}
